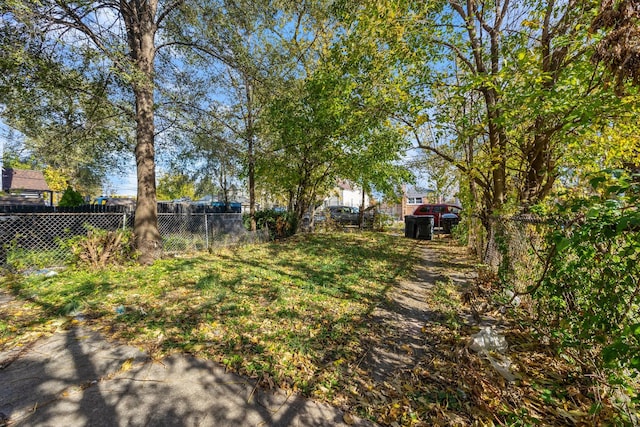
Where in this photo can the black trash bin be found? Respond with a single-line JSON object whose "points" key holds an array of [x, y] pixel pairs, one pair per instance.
{"points": [[448, 220], [410, 226], [424, 227]]}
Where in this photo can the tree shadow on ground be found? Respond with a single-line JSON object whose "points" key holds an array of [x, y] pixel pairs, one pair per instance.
{"points": [[78, 378]]}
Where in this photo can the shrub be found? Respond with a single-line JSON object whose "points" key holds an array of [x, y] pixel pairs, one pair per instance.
{"points": [[71, 198], [590, 294], [279, 224], [21, 259], [100, 248]]}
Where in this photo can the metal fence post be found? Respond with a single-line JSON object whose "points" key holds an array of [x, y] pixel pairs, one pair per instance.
{"points": [[124, 221], [206, 232]]}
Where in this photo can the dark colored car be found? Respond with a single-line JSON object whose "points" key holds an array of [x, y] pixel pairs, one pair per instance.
{"points": [[445, 215], [222, 207], [342, 215], [349, 215]]}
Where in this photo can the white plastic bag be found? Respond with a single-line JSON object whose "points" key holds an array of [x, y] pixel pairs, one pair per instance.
{"points": [[488, 340], [502, 364]]}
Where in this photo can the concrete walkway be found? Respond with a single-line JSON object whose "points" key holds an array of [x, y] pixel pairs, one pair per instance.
{"points": [[77, 378]]}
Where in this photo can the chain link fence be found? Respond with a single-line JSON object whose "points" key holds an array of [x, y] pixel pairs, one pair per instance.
{"points": [[517, 250], [41, 240], [198, 232]]}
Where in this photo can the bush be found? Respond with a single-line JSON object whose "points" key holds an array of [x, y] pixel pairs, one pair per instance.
{"points": [[20, 259], [100, 248], [71, 198], [279, 224], [590, 294]]}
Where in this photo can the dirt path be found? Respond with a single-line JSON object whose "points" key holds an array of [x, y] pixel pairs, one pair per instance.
{"points": [[410, 307]]}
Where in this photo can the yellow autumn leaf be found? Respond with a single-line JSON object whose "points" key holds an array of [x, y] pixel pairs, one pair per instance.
{"points": [[407, 348], [348, 419], [126, 365]]}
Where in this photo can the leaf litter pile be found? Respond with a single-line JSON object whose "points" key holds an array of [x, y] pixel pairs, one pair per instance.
{"points": [[320, 315]]}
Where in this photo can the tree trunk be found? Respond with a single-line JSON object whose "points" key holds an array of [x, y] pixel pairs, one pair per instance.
{"points": [[540, 173], [252, 187], [361, 214], [145, 227], [141, 29], [488, 68], [251, 160]]}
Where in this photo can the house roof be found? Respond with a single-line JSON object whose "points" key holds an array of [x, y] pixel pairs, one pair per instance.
{"points": [[19, 179], [418, 192]]}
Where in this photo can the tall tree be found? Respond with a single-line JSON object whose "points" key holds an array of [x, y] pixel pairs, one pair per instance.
{"points": [[304, 150], [119, 37], [249, 49], [333, 125], [504, 85]]}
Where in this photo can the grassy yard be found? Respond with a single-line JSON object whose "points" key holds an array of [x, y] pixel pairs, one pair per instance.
{"points": [[291, 313], [299, 314]]}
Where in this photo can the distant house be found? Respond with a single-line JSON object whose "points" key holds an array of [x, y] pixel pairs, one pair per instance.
{"points": [[414, 197], [411, 198], [25, 187], [348, 194]]}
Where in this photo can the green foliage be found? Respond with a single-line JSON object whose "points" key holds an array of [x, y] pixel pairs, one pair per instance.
{"points": [[10, 159], [71, 198], [60, 104], [100, 248], [279, 224], [332, 126], [238, 66], [590, 295], [175, 186], [460, 232], [21, 259]]}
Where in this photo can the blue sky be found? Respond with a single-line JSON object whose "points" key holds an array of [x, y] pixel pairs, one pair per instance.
{"points": [[120, 185]]}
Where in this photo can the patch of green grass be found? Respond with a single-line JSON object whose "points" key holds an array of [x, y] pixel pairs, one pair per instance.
{"points": [[208, 282], [293, 311], [4, 328], [20, 259], [446, 301]]}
